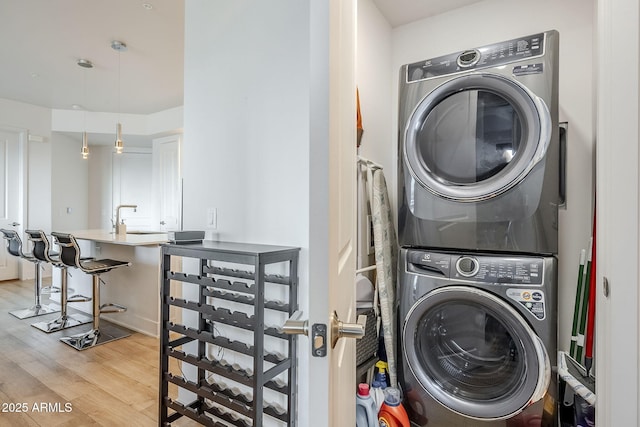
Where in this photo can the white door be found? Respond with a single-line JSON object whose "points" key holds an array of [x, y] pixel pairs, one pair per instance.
{"points": [[617, 333], [10, 171], [332, 201], [342, 205], [166, 181], [132, 185]]}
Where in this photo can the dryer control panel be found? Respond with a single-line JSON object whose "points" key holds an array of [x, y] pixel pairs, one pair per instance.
{"points": [[479, 268], [487, 56]]}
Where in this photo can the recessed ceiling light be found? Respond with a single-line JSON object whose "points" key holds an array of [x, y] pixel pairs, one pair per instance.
{"points": [[77, 107], [118, 46], [34, 75], [84, 63], [147, 6]]}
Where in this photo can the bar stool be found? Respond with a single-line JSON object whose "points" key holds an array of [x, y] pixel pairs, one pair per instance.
{"points": [[70, 256], [42, 251], [14, 247]]}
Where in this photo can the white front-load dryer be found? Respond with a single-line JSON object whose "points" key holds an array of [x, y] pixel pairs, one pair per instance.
{"points": [[478, 149], [478, 339]]}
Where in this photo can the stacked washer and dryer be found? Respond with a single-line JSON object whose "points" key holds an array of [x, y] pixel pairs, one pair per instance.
{"points": [[479, 188]]}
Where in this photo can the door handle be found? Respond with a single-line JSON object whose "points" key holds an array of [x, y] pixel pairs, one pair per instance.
{"points": [[339, 329], [15, 224], [295, 326], [162, 223]]}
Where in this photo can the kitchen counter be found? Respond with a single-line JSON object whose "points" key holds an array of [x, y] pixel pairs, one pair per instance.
{"points": [[133, 238], [137, 287]]}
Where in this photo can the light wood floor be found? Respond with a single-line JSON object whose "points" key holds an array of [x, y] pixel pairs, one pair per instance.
{"points": [[115, 384]]}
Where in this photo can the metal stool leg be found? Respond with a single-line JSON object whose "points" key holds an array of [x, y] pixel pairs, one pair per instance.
{"points": [[38, 309], [65, 320], [98, 334]]}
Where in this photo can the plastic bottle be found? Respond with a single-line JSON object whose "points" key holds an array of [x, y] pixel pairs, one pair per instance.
{"points": [[378, 384], [392, 413], [380, 378], [366, 413]]}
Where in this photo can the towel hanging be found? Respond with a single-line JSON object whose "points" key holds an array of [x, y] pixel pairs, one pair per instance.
{"points": [[368, 163]]}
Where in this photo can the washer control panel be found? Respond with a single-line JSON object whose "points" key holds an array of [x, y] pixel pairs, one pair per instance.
{"points": [[514, 270], [482, 57]]}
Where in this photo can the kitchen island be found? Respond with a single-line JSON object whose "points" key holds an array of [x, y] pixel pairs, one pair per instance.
{"points": [[137, 287]]}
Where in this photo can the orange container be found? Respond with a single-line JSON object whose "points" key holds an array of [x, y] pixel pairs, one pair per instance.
{"points": [[392, 413]]}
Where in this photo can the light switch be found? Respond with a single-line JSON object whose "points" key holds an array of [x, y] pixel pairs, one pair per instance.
{"points": [[212, 218]]}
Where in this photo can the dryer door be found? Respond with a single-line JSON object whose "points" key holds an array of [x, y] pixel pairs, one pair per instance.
{"points": [[476, 136], [474, 353]]}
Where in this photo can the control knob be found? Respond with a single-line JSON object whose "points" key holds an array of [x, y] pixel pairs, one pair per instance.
{"points": [[467, 266]]}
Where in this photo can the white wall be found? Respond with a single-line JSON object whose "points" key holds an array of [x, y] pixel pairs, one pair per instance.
{"points": [[69, 185], [159, 123], [246, 129], [497, 20], [36, 121], [246, 99], [374, 80], [100, 187]]}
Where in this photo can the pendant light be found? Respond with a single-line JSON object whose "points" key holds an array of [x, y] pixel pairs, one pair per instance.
{"points": [[85, 64], [119, 47], [85, 145]]}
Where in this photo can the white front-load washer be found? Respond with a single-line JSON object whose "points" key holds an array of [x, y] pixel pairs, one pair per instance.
{"points": [[478, 149], [478, 336]]}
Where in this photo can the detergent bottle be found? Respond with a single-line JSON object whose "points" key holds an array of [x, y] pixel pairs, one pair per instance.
{"points": [[379, 383], [392, 413], [366, 413]]}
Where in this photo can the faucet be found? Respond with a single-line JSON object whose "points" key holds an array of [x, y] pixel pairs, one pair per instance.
{"points": [[121, 227]]}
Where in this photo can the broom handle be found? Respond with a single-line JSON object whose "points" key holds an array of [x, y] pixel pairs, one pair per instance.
{"points": [[591, 314]]}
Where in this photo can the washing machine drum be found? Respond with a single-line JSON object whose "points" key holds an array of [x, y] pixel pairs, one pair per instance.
{"points": [[476, 136], [474, 353]]}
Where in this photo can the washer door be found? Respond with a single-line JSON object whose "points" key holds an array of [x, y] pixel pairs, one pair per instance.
{"points": [[476, 136], [474, 353]]}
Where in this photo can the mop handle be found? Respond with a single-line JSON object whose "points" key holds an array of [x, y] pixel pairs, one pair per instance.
{"points": [[585, 299], [576, 307]]}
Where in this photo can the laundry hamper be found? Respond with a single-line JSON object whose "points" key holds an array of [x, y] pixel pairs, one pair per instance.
{"points": [[367, 346]]}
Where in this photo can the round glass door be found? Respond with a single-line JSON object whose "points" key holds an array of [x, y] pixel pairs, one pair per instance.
{"points": [[476, 136], [474, 353]]}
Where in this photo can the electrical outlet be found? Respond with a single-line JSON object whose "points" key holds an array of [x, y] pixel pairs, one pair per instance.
{"points": [[212, 218]]}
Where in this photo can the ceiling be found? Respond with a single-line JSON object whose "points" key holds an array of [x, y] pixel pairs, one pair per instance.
{"points": [[400, 12], [42, 41]]}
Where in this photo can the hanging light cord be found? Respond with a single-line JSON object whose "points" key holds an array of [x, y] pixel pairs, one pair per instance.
{"points": [[84, 99], [119, 46], [85, 64], [119, 54]]}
